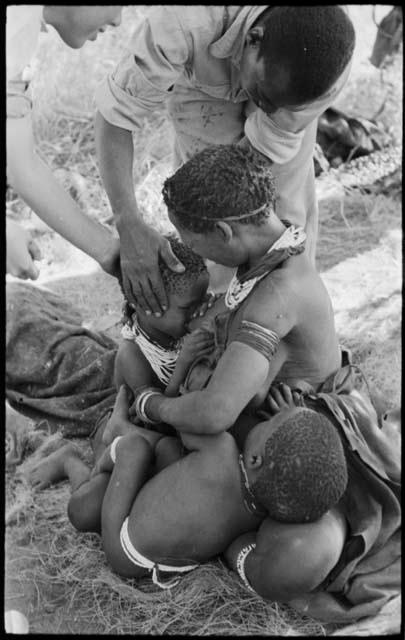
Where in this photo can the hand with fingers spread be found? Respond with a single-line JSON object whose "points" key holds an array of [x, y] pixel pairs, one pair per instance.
{"points": [[208, 302], [281, 397], [141, 248], [22, 250], [195, 344], [119, 422]]}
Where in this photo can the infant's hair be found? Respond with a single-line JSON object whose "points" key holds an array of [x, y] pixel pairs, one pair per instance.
{"points": [[315, 44], [304, 473], [218, 182], [194, 267], [176, 282]]}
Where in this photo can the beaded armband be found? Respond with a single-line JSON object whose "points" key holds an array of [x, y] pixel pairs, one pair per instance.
{"points": [[263, 340]]}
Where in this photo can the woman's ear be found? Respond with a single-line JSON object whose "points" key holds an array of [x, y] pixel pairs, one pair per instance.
{"points": [[225, 231], [255, 36]]}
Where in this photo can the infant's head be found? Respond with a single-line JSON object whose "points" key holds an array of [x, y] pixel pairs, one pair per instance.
{"points": [[302, 471]]}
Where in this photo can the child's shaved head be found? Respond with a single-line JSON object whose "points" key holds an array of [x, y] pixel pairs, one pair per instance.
{"points": [[304, 473]]}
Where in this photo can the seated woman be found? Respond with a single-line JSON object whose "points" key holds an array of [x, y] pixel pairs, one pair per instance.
{"points": [[278, 322]]}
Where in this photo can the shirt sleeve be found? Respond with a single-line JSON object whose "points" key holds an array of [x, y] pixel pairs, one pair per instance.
{"points": [[22, 36], [279, 136], [158, 52]]}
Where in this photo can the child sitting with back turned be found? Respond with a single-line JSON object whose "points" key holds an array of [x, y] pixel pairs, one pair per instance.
{"points": [[292, 469]]}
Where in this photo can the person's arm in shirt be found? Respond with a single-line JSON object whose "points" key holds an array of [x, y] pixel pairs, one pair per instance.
{"points": [[140, 84]]}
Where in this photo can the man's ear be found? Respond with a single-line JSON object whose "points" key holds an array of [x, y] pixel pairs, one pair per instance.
{"points": [[255, 36], [225, 231]]}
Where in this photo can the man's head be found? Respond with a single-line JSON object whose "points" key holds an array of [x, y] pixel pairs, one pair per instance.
{"points": [[76, 24], [294, 55], [296, 465], [185, 291], [214, 192]]}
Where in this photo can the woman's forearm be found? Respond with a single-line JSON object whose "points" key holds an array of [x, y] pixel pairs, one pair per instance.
{"points": [[193, 412]]}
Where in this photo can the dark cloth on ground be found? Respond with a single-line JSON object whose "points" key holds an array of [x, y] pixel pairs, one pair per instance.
{"points": [[56, 369], [368, 573]]}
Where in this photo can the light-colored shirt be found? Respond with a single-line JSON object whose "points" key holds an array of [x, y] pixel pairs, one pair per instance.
{"points": [[23, 27], [186, 56]]}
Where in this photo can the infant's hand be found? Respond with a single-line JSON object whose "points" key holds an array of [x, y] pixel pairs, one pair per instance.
{"points": [[281, 397], [195, 344], [207, 303]]}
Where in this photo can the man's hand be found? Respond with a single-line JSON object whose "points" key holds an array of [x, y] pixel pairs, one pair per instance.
{"points": [[22, 250], [110, 262], [142, 281]]}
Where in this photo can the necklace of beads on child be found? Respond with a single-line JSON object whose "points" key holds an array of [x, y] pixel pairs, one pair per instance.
{"points": [[237, 291], [162, 361]]}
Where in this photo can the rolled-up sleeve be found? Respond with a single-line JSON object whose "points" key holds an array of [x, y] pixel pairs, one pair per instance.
{"points": [[144, 77], [279, 136]]}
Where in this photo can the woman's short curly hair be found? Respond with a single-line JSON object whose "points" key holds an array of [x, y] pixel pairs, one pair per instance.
{"points": [[304, 473], [218, 182]]}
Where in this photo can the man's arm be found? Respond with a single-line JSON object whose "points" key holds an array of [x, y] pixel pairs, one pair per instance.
{"points": [[35, 183]]}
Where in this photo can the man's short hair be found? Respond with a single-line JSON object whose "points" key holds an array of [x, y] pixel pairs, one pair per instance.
{"points": [[304, 473], [175, 282], [218, 182], [314, 44]]}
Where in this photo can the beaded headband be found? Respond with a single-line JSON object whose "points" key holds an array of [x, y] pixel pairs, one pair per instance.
{"points": [[233, 218]]}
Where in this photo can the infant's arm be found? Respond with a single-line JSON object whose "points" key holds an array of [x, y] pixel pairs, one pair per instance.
{"points": [[195, 344]]}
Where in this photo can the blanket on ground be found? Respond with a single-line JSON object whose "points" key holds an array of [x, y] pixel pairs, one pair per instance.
{"points": [[56, 370]]}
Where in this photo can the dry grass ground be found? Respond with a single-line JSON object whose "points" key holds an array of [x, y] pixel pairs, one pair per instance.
{"points": [[58, 577]]}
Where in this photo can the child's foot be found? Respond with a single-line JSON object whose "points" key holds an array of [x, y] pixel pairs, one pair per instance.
{"points": [[54, 467]]}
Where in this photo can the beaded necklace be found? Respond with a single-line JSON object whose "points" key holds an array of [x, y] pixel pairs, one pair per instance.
{"points": [[162, 360], [290, 242]]}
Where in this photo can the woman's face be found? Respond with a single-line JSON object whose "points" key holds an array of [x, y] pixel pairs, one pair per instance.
{"points": [[212, 245]]}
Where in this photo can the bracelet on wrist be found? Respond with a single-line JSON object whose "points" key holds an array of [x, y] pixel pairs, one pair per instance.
{"points": [[140, 404], [240, 564]]}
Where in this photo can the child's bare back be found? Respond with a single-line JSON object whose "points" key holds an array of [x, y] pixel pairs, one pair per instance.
{"points": [[193, 508]]}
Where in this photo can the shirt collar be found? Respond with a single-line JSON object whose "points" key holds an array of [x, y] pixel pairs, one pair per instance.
{"points": [[231, 44]]}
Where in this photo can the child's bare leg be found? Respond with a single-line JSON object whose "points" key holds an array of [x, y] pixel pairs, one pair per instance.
{"points": [[134, 456], [167, 451], [65, 462]]}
